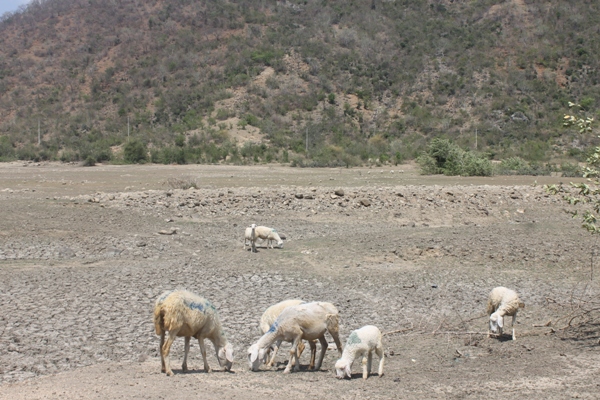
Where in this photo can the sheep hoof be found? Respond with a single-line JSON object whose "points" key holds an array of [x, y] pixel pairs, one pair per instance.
{"points": [[170, 373]]}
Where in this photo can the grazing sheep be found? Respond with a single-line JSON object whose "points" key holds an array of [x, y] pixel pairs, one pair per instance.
{"points": [[361, 342], [270, 235], [250, 235], [308, 321], [502, 302], [267, 319], [186, 314]]}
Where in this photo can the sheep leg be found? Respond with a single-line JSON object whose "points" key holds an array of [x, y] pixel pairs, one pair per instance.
{"points": [[335, 334], [324, 346], [275, 349], [514, 318], [185, 354], [379, 351], [301, 348], [313, 353], [365, 370], [166, 348], [162, 358], [294, 359], [203, 351]]}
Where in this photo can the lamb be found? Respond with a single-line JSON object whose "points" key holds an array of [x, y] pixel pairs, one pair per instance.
{"points": [[308, 321], [360, 342], [502, 302], [269, 317], [268, 234], [250, 235], [186, 314]]}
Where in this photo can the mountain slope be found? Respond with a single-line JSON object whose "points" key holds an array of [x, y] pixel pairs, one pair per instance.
{"points": [[329, 80]]}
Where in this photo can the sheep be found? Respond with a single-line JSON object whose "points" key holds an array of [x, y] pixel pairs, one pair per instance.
{"points": [[186, 314], [250, 235], [308, 321], [360, 342], [270, 235], [502, 302], [267, 319]]}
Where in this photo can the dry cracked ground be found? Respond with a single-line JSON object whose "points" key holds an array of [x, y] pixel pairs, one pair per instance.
{"points": [[84, 252]]}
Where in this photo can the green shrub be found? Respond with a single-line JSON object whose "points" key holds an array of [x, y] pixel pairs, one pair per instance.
{"points": [[135, 152], [7, 151], [513, 164], [571, 170], [444, 157], [89, 162]]}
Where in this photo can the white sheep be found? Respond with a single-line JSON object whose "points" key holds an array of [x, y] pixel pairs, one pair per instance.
{"points": [[361, 342], [250, 235], [502, 302], [268, 234], [308, 321], [186, 314], [269, 317]]}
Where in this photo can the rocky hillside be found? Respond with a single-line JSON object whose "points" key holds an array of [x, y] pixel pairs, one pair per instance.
{"points": [[308, 82]]}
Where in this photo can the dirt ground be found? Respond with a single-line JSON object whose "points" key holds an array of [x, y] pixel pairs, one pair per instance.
{"points": [[84, 252]]}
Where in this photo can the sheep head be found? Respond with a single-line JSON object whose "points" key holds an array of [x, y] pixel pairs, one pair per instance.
{"points": [[496, 323], [343, 369], [225, 356], [256, 356]]}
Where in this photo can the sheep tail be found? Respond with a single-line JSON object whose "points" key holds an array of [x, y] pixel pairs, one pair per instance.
{"points": [[159, 321]]}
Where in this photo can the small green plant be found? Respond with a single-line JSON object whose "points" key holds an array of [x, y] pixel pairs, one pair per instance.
{"points": [[583, 193]]}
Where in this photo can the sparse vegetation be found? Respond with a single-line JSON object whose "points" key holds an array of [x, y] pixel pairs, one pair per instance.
{"points": [[163, 69]]}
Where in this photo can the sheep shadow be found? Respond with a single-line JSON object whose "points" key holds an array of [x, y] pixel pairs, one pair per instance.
{"points": [[502, 338], [303, 368], [200, 371]]}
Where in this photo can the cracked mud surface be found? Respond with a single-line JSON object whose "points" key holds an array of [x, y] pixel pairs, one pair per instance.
{"points": [[84, 252]]}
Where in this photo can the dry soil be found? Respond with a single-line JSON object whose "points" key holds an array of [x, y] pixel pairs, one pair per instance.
{"points": [[84, 252]]}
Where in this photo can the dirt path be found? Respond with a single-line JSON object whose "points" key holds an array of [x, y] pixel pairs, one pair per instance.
{"points": [[85, 251]]}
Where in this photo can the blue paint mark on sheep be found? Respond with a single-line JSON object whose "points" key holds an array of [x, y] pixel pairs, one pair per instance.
{"points": [[273, 327], [353, 338], [203, 307], [197, 306], [164, 296]]}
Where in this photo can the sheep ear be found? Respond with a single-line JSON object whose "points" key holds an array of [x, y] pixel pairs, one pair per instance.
{"points": [[253, 355], [229, 353], [500, 322], [348, 371]]}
